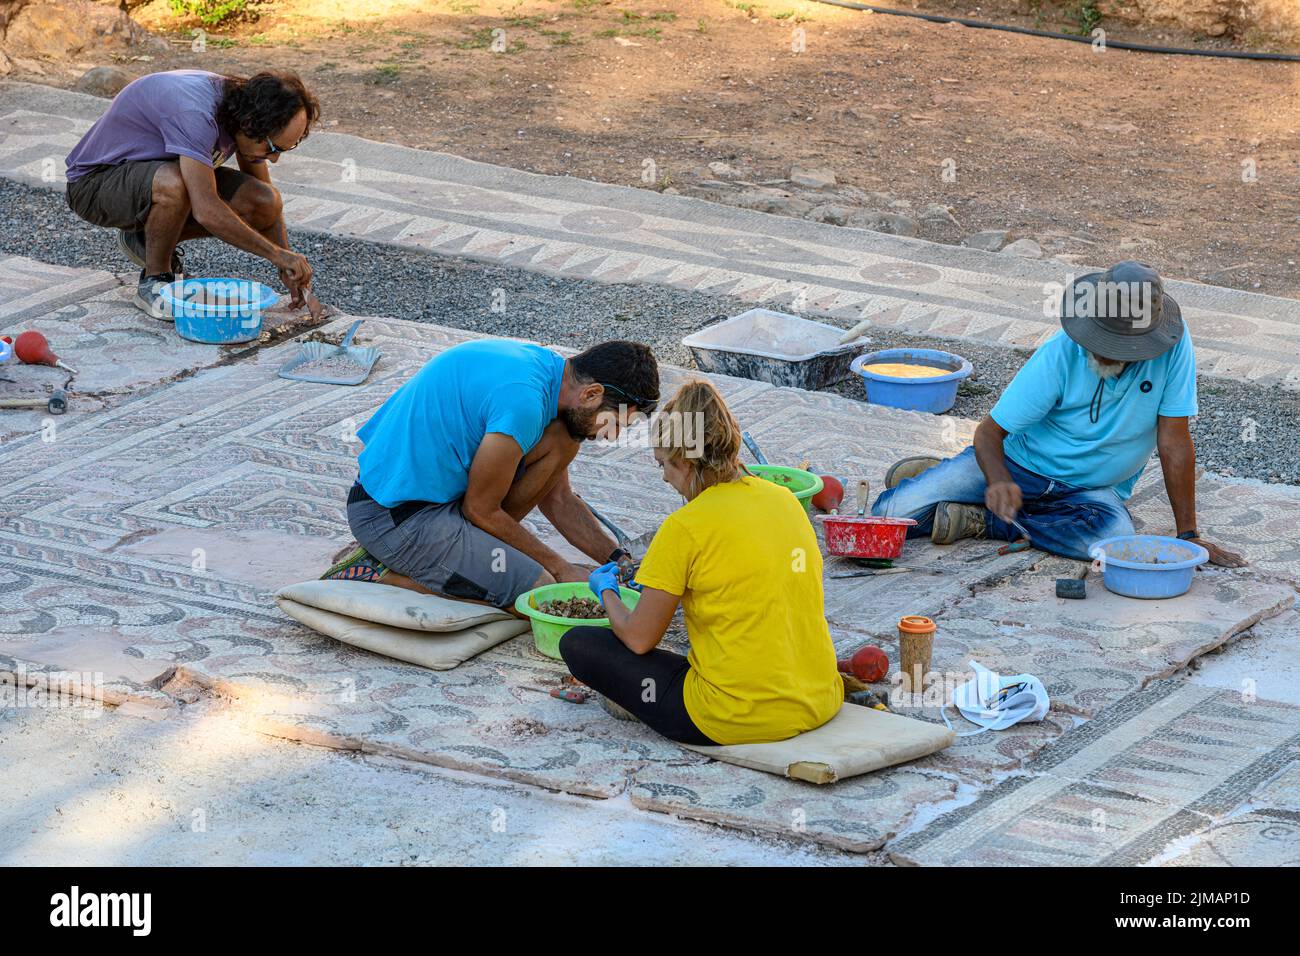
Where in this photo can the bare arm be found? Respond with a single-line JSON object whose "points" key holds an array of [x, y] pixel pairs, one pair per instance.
{"points": [[573, 519], [212, 213], [262, 172], [490, 475], [1002, 495], [643, 627], [1178, 463]]}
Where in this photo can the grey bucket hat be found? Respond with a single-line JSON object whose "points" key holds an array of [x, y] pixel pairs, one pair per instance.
{"points": [[1122, 313]]}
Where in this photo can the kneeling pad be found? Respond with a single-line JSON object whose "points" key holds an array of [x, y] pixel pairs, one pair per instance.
{"points": [[856, 740], [394, 606], [437, 650]]}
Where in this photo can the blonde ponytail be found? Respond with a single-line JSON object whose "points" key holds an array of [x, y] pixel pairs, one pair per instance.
{"points": [[696, 429]]}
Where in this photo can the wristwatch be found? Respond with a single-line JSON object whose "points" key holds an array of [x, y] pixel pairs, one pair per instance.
{"points": [[619, 554], [1190, 535]]}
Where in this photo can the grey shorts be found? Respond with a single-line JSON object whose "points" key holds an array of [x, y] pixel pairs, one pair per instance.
{"points": [[119, 197], [440, 548]]}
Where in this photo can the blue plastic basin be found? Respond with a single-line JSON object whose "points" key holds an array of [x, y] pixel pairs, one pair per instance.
{"points": [[6, 351], [1148, 566], [218, 311], [936, 394]]}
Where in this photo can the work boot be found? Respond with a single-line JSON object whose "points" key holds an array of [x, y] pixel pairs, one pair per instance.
{"points": [[900, 471], [954, 521], [132, 245], [149, 295]]}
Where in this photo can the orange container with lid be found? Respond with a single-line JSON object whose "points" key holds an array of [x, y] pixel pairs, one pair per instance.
{"points": [[915, 646]]}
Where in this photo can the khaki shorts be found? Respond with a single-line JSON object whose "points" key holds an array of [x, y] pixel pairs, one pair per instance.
{"points": [[120, 197]]}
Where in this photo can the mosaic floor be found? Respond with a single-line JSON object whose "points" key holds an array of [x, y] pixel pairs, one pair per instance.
{"points": [[347, 186], [146, 539]]}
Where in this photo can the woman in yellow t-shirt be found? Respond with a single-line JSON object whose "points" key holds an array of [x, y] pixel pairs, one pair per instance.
{"points": [[742, 560]]}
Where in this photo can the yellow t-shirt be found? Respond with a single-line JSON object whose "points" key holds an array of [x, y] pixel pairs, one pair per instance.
{"points": [[743, 558]]}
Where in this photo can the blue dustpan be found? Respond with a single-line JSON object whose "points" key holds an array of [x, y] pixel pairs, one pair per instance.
{"points": [[362, 358]]}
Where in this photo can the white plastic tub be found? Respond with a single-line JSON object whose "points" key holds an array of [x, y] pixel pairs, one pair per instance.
{"points": [[776, 348]]}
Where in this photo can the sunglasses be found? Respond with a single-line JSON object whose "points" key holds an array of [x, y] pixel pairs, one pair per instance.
{"points": [[274, 150], [642, 404]]}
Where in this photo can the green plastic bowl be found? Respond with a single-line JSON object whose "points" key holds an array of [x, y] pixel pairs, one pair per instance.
{"points": [[804, 484], [548, 628]]}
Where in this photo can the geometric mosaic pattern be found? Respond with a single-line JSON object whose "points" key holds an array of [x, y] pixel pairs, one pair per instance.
{"points": [[1165, 764], [153, 532], [91, 323], [29, 289], [346, 186]]}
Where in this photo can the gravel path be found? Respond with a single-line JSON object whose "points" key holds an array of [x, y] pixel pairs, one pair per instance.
{"points": [[1243, 430]]}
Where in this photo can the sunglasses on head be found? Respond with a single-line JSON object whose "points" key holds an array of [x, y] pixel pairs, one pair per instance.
{"points": [[642, 404]]}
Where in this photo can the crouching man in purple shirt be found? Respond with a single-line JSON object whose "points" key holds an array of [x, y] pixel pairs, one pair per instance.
{"points": [[152, 168]]}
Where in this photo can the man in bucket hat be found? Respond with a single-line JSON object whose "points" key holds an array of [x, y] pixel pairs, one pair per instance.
{"points": [[1063, 447]]}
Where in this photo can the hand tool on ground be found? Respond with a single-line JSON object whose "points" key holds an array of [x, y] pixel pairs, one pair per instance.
{"points": [[881, 563], [571, 694], [33, 348], [55, 403], [863, 493], [356, 361], [870, 574], [867, 698], [1011, 548], [752, 445]]}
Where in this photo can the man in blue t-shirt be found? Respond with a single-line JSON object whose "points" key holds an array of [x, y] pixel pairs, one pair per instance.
{"points": [[478, 438], [1063, 447], [152, 167]]}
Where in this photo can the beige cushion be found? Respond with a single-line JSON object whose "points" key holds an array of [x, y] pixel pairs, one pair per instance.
{"points": [[394, 606], [856, 740], [438, 650]]}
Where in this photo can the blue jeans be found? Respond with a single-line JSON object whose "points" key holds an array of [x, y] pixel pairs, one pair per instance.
{"points": [[1060, 518]]}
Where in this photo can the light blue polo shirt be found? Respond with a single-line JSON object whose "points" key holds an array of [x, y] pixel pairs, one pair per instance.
{"points": [[420, 443], [1045, 409]]}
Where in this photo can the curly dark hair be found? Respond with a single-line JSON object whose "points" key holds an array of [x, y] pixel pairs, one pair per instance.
{"points": [[628, 371], [260, 106]]}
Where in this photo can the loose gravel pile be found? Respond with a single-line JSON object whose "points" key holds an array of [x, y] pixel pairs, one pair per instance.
{"points": [[329, 366], [1243, 430]]}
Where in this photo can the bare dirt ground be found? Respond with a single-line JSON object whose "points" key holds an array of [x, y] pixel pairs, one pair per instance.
{"points": [[1192, 164]]}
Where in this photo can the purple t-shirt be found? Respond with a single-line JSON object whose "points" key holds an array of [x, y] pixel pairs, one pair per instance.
{"points": [[159, 116]]}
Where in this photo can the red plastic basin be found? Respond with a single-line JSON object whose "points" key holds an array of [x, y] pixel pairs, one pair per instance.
{"points": [[865, 536]]}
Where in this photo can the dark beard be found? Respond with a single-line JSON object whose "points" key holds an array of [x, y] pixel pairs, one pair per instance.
{"points": [[579, 424]]}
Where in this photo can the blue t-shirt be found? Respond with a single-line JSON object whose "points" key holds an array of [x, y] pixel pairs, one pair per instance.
{"points": [[159, 116], [1046, 411], [420, 443]]}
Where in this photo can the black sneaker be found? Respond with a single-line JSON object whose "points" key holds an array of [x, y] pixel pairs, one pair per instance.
{"points": [[132, 245], [148, 295]]}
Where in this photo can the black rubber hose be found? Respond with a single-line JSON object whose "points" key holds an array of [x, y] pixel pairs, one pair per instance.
{"points": [[1052, 35]]}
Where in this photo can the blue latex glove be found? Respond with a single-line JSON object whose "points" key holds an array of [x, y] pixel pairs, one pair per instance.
{"points": [[604, 578]]}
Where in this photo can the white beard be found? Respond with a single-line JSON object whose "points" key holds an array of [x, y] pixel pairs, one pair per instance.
{"points": [[1103, 370]]}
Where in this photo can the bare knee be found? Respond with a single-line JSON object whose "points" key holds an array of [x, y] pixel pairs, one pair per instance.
{"points": [[168, 188], [258, 204], [543, 579]]}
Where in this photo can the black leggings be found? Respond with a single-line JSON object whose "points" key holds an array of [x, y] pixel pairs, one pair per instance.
{"points": [[600, 660]]}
